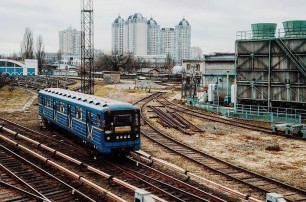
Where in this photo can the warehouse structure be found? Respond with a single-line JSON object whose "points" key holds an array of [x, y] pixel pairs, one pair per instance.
{"points": [[270, 69], [16, 68]]}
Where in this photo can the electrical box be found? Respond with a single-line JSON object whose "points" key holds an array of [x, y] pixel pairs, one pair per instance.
{"points": [[233, 94], [212, 92], [143, 196], [273, 197]]}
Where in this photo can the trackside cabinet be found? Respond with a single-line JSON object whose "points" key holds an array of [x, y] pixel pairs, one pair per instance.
{"points": [[273, 197], [143, 196]]}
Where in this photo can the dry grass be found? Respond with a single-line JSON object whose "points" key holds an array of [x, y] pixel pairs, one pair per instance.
{"points": [[262, 153], [77, 84], [15, 99]]}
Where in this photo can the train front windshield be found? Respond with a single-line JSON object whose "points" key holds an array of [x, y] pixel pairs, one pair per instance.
{"points": [[122, 125]]}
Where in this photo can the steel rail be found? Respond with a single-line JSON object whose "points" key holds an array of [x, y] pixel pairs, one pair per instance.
{"points": [[75, 161], [208, 196], [22, 191], [65, 170], [153, 130], [74, 190]]}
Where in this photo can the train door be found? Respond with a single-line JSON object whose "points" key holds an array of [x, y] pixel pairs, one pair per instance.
{"points": [[69, 116], [43, 106], [55, 106], [89, 122]]}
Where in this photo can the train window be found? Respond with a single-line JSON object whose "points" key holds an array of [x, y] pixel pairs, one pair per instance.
{"points": [[62, 107], [78, 112], [98, 120], [55, 105], [123, 120], [48, 102]]}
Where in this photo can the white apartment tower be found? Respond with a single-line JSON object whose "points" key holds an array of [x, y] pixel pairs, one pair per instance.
{"points": [[183, 40], [135, 35], [141, 37], [167, 42], [153, 37], [70, 41], [118, 39]]}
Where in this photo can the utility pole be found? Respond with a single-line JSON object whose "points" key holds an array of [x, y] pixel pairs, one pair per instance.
{"points": [[87, 47]]}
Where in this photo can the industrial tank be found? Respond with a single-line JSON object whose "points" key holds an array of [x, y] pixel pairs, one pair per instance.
{"points": [[263, 30], [295, 28]]}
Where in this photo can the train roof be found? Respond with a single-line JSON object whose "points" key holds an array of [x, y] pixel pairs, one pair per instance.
{"points": [[90, 101]]}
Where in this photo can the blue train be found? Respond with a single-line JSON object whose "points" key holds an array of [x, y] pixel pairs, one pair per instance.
{"points": [[109, 126]]}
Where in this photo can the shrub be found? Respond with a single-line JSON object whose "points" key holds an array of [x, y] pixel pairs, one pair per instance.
{"points": [[274, 147]]}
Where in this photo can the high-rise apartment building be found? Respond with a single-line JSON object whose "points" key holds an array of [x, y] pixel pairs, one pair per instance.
{"points": [[135, 34], [118, 39], [141, 37], [167, 42], [153, 37], [70, 41], [183, 40]]}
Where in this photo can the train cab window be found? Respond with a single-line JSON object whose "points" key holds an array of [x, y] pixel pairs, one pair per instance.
{"points": [[62, 107], [78, 112], [98, 120], [136, 120], [123, 120]]}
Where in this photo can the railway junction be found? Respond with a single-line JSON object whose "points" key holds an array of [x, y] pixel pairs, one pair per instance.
{"points": [[186, 155]]}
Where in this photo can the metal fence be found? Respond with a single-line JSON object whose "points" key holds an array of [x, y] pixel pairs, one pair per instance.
{"points": [[248, 113]]}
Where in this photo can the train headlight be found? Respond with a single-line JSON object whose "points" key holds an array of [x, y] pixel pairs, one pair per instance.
{"points": [[128, 136], [137, 135], [125, 137], [121, 137], [117, 137], [108, 138]]}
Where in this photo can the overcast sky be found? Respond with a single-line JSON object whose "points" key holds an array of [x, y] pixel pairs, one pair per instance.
{"points": [[214, 23]]}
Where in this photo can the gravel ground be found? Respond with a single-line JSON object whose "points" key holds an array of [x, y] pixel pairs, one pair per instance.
{"points": [[275, 156], [242, 147]]}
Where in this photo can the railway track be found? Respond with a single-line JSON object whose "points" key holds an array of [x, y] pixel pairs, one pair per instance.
{"points": [[161, 185], [51, 136], [212, 117], [32, 182], [249, 179]]}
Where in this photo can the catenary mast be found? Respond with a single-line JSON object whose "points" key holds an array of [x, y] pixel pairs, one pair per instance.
{"points": [[87, 47]]}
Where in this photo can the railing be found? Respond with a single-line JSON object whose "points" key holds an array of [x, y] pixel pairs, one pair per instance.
{"points": [[296, 32], [250, 112]]}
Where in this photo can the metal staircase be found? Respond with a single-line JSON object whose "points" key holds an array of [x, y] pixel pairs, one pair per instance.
{"points": [[297, 61]]}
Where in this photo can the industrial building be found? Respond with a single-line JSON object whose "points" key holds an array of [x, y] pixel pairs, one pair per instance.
{"points": [[270, 68], [16, 68]]}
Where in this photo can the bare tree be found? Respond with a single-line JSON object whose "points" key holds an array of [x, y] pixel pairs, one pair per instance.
{"points": [[59, 56], [98, 62], [116, 62], [27, 45], [169, 63], [40, 53]]}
